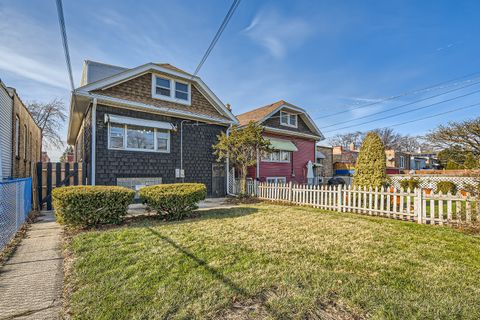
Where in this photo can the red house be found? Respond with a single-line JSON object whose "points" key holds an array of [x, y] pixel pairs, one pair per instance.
{"points": [[293, 135]]}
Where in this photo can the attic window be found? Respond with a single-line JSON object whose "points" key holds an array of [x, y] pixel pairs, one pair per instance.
{"points": [[165, 88], [288, 119], [162, 86]]}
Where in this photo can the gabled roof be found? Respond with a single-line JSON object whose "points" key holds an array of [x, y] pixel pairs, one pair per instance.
{"points": [[259, 115], [98, 76]]}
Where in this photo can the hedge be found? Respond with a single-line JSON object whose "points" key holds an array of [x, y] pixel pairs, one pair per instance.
{"points": [[173, 201], [409, 183], [446, 187], [91, 205]]}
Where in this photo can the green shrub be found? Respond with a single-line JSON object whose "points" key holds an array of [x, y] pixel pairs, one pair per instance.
{"points": [[446, 187], [370, 169], [91, 205], [173, 201], [409, 183]]}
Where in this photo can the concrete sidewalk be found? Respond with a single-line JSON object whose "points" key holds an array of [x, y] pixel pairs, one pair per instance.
{"points": [[31, 282]]}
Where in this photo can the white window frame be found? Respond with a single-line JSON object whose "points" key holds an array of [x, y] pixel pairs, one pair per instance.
{"points": [[25, 141], [17, 136], [155, 146], [402, 162], [275, 180], [289, 115], [172, 96], [268, 157]]}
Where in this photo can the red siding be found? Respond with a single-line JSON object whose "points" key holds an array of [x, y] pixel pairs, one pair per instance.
{"points": [[299, 159]]}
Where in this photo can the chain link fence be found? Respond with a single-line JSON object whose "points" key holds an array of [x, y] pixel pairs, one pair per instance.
{"points": [[15, 205]]}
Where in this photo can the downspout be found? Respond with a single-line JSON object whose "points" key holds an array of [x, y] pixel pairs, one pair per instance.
{"points": [[94, 125], [228, 164], [181, 148]]}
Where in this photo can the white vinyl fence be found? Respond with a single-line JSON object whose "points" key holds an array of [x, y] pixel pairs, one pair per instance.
{"points": [[411, 205]]}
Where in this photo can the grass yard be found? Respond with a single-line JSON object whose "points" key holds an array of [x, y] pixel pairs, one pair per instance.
{"points": [[275, 262]]}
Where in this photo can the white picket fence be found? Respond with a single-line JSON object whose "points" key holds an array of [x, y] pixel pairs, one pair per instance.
{"points": [[416, 206]]}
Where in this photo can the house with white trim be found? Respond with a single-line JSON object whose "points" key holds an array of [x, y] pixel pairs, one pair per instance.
{"points": [[146, 125]]}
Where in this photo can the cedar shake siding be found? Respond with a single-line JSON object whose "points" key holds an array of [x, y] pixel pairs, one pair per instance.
{"points": [[139, 89], [197, 152], [274, 122]]}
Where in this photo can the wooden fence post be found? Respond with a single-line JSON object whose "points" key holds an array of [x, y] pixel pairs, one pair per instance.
{"points": [[419, 206], [290, 191], [49, 186], [339, 198]]}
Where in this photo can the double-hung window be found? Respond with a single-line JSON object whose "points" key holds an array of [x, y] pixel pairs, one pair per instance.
{"points": [[170, 89], [288, 119], [138, 138], [162, 86], [276, 180], [17, 136], [402, 162]]}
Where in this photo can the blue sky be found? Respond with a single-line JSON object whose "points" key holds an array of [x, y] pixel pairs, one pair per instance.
{"points": [[324, 56]]}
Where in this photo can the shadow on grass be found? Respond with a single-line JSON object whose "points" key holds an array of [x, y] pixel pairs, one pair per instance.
{"points": [[224, 213], [216, 273]]}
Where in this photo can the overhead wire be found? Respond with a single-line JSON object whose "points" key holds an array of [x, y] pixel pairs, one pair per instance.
{"points": [[63, 32], [412, 92], [220, 30], [402, 106]]}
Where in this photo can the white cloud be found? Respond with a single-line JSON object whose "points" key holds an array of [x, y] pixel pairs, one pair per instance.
{"points": [[278, 33]]}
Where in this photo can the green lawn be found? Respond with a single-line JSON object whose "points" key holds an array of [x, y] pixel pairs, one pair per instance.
{"points": [[270, 262]]}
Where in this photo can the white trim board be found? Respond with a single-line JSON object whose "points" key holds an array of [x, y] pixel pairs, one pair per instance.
{"points": [[135, 72], [292, 133]]}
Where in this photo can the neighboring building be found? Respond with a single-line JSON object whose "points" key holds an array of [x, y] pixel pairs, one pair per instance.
{"points": [[323, 164], [6, 151], [422, 161], [45, 157], [293, 135], [141, 126], [397, 161], [21, 143]]}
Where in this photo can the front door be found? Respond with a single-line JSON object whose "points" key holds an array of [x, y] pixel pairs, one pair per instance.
{"points": [[218, 180]]}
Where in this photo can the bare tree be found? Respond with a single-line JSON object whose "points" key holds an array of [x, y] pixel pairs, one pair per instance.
{"points": [[50, 117], [345, 139], [464, 135], [390, 138]]}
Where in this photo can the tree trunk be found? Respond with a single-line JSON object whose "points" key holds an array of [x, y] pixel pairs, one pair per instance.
{"points": [[243, 180]]}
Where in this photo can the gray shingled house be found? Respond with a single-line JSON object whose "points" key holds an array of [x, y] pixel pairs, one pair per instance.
{"points": [[147, 125]]}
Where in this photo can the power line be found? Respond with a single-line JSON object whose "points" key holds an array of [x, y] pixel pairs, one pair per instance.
{"points": [[436, 115], [227, 18], [401, 106], [404, 112], [412, 92], [430, 116], [63, 32]]}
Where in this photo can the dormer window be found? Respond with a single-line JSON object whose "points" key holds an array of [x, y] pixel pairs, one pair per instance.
{"points": [[170, 89], [288, 119]]}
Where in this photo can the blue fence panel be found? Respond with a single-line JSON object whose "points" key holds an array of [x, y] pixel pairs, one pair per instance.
{"points": [[15, 206]]}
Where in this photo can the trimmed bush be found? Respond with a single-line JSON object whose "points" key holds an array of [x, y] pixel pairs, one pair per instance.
{"points": [[446, 187], [91, 205], [409, 183], [370, 169], [173, 201]]}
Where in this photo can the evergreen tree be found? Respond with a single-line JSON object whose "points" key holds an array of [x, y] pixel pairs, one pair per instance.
{"points": [[470, 161], [370, 170]]}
